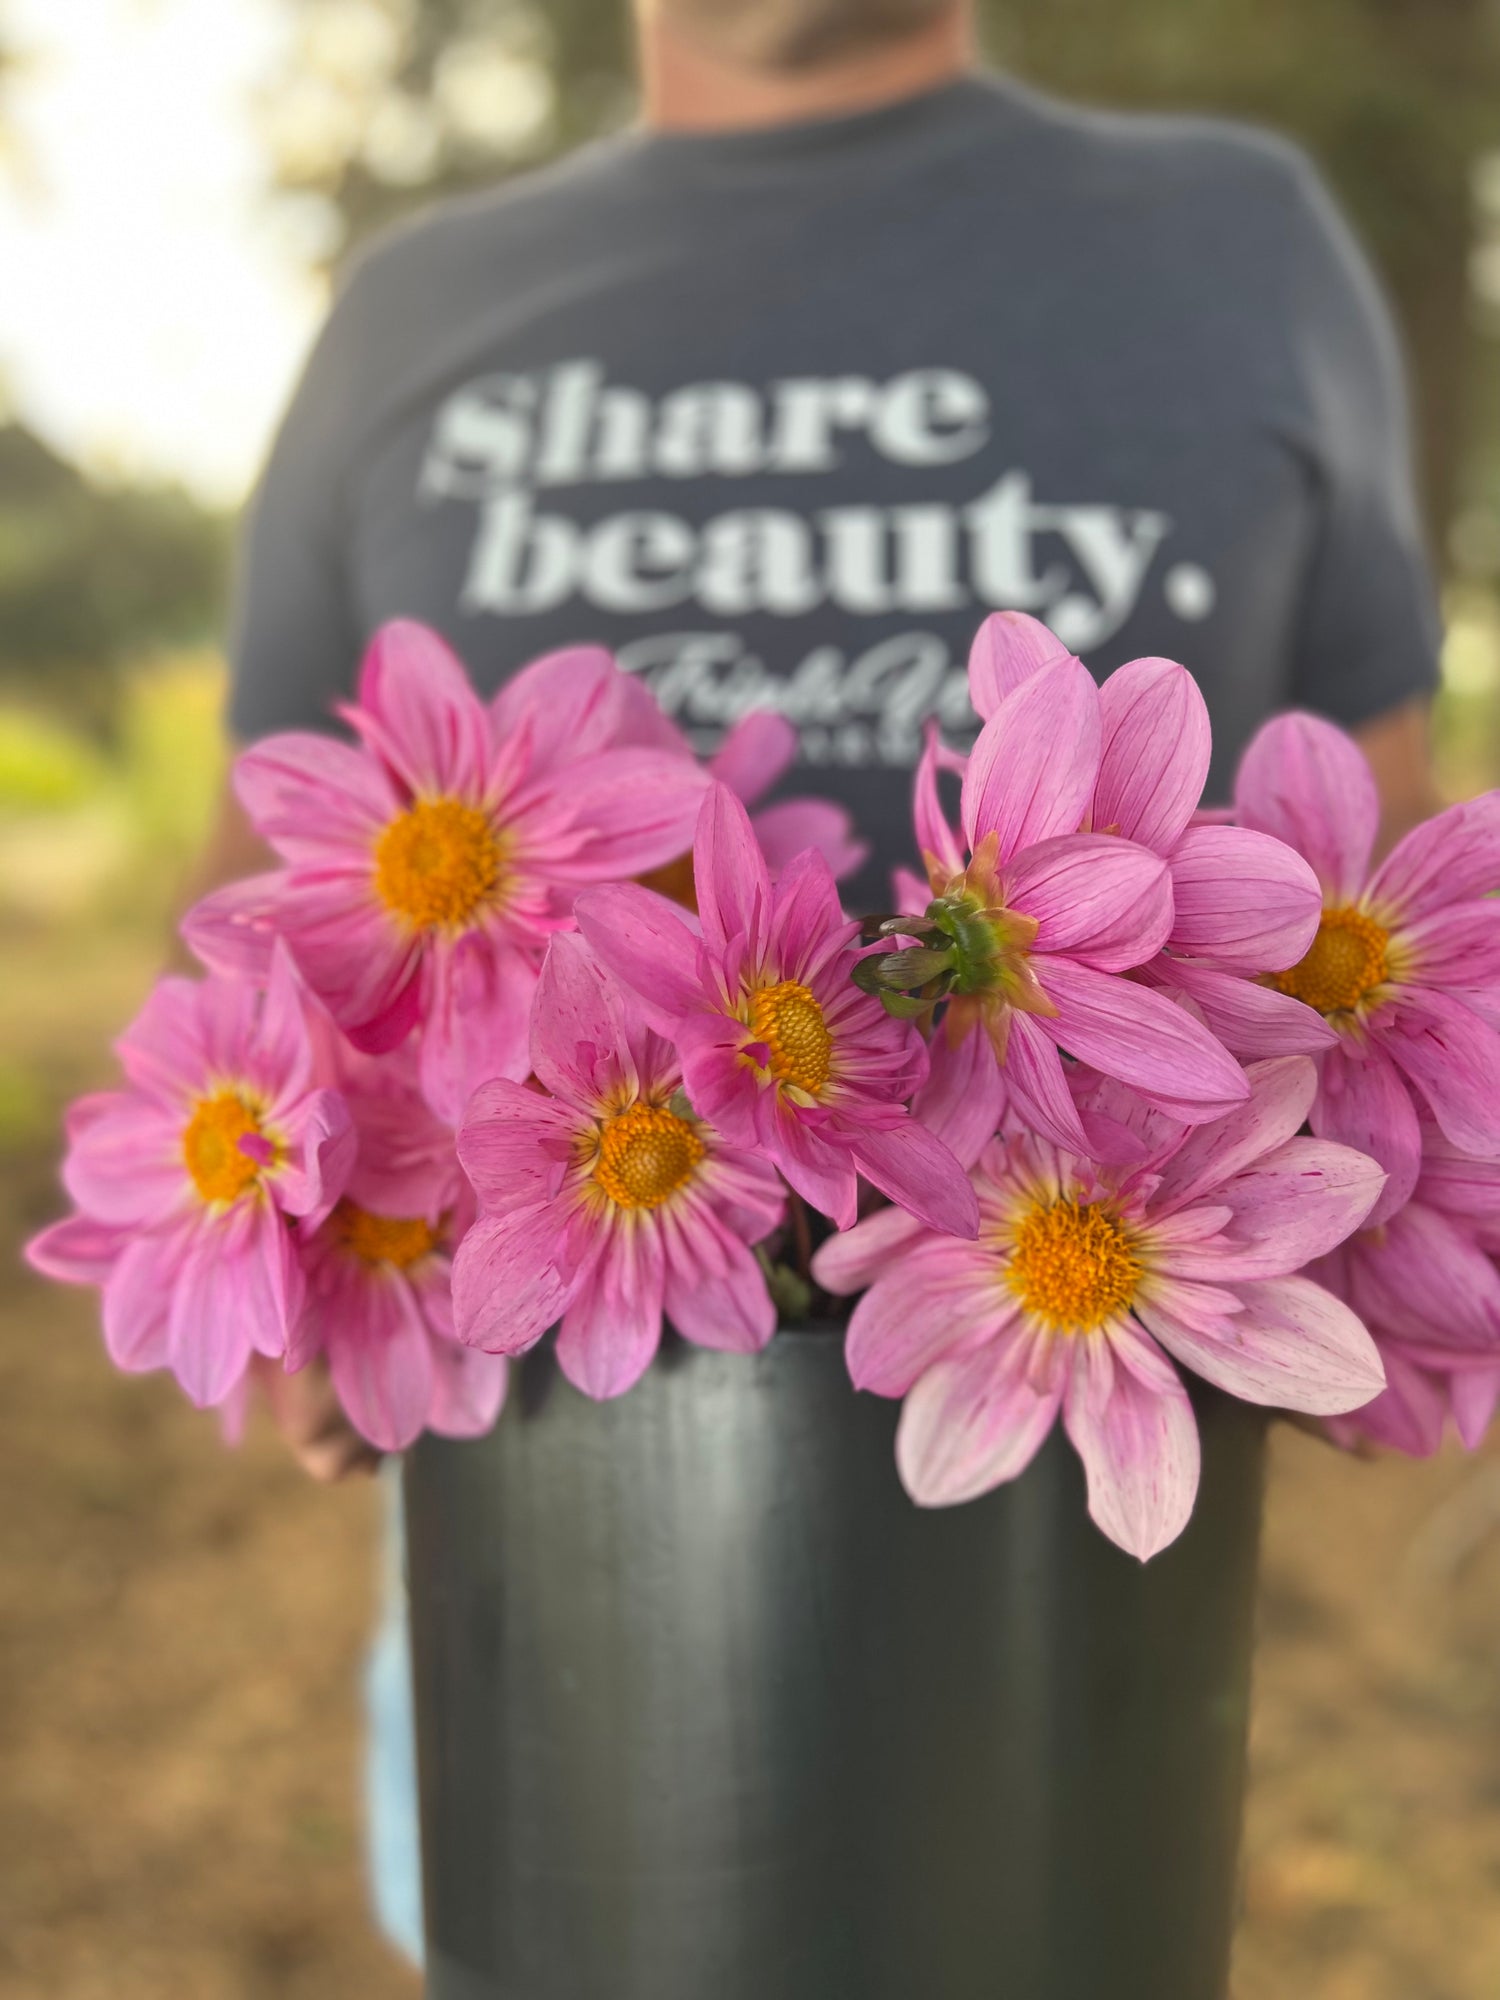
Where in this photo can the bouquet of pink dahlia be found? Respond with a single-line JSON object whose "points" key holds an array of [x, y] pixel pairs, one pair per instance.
{"points": [[536, 1029]]}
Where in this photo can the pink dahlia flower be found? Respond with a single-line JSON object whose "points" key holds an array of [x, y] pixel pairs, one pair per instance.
{"points": [[378, 1269], [1425, 1283], [781, 1052], [606, 1204], [1242, 903], [1086, 1278], [184, 1180], [1405, 965], [427, 867], [1044, 918]]}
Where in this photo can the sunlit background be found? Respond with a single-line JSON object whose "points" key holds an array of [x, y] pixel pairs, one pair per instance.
{"points": [[181, 1626]]}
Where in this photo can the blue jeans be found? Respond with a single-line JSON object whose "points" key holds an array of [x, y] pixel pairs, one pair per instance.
{"points": [[393, 1847]]}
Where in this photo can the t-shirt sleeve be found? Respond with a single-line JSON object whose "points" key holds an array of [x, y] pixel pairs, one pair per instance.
{"points": [[1370, 631], [294, 641]]}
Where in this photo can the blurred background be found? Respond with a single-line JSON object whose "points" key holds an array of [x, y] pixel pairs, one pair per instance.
{"points": [[180, 1626]]}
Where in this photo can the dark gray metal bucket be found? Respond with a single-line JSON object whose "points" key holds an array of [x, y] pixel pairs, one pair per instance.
{"points": [[708, 1710]]}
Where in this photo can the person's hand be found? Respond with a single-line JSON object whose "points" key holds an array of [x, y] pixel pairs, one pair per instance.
{"points": [[306, 1411]]}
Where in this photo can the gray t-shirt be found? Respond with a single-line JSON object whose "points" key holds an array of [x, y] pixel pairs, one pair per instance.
{"points": [[779, 416]]}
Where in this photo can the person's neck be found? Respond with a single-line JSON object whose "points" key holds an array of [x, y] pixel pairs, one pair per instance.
{"points": [[686, 88]]}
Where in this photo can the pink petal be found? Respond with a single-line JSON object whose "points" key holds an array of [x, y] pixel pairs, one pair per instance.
{"points": [[634, 810], [127, 1167], [1031, 774], [963, 1097], [935, 836], [1251, 1020], [1449, 858], [468, 1390], [785, 830], [382, 1370], [1407, 1416], [313, 796], [1242, 899], [419, 712], [477, 1021], [716, 1295], [971, 1423], [572, 704], [1308, 783], [1132, 1425], [1154, 753], [646, 942], [325, 1145], [932, 1299], [1453, 1058], [1423, 1279], [1105, 902], [734, 889], [1037, 1085], [137, 1300], [914, 1169], [77, 1250], [1474, 1393], [1294, 1347], [1363, 1103], [856, 1257], [1280, 1093], [1008, 649], [759, 749], [1142, 1038], [822, 1173], [515, 1145], [1295, 1204], [1458, 945], [162, 1052], [579, 1040], [612, 1328], [239, 1291], [507, 1285]]}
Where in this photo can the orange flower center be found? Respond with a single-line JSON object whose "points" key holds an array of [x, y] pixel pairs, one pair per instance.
{"points": [[384, 1239], [790, 1022], [645, 1154], [438, 863], [220, 1167], [1072, 1266], [1347, 962]]}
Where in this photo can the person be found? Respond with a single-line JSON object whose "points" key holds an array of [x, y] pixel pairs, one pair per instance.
{"points": [[845, 345]]}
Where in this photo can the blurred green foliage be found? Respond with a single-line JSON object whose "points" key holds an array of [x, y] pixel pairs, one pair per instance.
{"points": [[91, 577]]}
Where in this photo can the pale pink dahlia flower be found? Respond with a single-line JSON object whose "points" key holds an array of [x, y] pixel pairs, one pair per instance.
{"points": [[427, 867], [378, 1269], [780, 1051], [606, 1204], [1086, 1278], [1242, 903], [185, 1180], [1405, 966], [1044, 918]]}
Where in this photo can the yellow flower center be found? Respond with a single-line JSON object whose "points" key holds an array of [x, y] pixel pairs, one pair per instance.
{"points": [[220, 1167], [384, 1239], [645, 1154], [1072, 1266], [790, 1022], [438, 863], [1345, 965]]}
